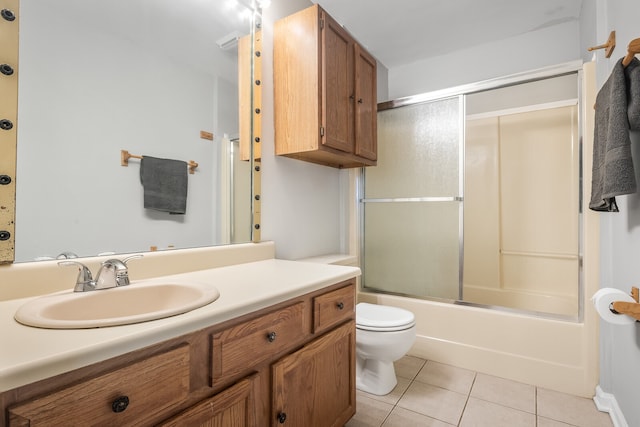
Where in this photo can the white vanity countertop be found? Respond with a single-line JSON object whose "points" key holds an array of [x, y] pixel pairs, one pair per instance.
{"points": [[30, 354]]}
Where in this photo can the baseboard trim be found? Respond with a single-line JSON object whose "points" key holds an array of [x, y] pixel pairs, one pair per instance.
{"points": [[606, 402]]}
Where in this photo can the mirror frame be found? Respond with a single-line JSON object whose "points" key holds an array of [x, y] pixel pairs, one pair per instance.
{"points": [[255, 124], [9, 67], [8, 127]]}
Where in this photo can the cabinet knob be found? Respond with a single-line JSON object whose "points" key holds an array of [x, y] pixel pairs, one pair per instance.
{"points": [[282, 417], [271, 336], [120, 404], [360, 101], [340, 305]]}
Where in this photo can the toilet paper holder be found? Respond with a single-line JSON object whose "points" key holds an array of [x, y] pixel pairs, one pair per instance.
{"points": [[629, 308]]}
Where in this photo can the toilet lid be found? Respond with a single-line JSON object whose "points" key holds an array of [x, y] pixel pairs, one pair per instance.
{"points": [[382, 317]]}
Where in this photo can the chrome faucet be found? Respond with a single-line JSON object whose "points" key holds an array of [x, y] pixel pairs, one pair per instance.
{"points": [[84, 282], [112, 273]]}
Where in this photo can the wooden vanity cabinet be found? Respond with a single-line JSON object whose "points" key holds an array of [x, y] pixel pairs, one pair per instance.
{"points": [[296, 358], [324, 92]]}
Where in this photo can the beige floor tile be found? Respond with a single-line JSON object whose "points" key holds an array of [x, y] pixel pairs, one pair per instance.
{"points": [[546, 422], [480, 413], [570, 409], [505, 392], [446, 376], [434, 402], [395, 395], [401, 417], [408, 366], [369, 412]]}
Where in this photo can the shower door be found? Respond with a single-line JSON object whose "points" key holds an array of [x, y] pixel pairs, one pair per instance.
{"points": [[411, 204]]}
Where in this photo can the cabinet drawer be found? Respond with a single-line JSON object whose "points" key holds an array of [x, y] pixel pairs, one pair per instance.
{"points": [[122, 397], [235, 406], [248, 344], [333, 307]]}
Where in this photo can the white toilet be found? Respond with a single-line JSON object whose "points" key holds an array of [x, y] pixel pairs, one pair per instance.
{"points": [[383, 335]]}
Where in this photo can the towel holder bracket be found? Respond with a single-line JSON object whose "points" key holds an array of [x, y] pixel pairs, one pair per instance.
{"points": [[629, 308], [609, 46]]}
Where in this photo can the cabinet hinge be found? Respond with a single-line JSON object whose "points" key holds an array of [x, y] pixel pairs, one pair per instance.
{"points": [[321, 130], [321, 23]]}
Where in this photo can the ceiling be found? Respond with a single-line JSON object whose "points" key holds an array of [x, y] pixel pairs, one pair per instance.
{"points": [[399, 32]]}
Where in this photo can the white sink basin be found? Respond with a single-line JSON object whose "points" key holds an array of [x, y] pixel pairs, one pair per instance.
{"points": [[124, 305]]}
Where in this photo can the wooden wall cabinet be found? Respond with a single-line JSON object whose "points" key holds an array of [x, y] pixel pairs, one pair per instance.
{"points": [[324, 92], [292, 363]]}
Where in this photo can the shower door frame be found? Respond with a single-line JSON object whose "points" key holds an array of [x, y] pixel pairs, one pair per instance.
{"points": [[573, 67]]}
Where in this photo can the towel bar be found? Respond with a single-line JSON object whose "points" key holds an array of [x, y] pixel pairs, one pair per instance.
{"points": [[125, 156]]}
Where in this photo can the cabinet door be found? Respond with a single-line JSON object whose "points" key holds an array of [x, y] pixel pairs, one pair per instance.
{"points": [[337, 86], [315, 386], [233, 407], [366, 107]]}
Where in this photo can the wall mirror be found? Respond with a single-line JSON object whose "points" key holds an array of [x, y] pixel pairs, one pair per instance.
{"points": [[153, 78]]}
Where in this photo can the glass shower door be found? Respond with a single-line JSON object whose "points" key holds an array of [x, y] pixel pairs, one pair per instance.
{"points": [[412, 202]]}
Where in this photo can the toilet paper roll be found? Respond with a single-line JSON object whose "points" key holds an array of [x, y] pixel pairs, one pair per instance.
{"points": [[603, 299]]}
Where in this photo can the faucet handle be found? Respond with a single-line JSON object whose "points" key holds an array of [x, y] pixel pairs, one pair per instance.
{"points": [[117, 272], [126, 260], [84, 281]]}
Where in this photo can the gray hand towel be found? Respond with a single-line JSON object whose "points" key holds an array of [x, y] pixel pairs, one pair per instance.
{"points": [[165, 184], [613, 172], [632, 74]]}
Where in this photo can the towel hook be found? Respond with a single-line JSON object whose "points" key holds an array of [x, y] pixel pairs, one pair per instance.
{"points": [[632, 50], [608, 46]]}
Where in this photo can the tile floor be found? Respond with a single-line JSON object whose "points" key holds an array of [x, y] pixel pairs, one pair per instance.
{"points": [[431, 394]]}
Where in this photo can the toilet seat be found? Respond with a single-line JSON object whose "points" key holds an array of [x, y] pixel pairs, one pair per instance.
{"points": [[373, 317]]}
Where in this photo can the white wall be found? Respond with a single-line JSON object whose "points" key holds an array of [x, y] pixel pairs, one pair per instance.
{"points": [[545, 47], [620, 232]]}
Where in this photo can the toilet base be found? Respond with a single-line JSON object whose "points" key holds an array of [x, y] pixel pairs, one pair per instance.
{"points": [[375, 377]]}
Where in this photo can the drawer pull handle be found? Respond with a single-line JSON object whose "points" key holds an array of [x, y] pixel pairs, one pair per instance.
{"points": [[282, 417], [120, 404], [271, 336], [340, 305]]}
